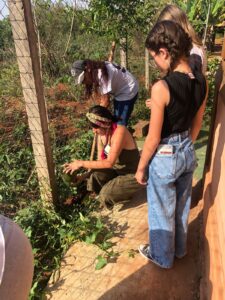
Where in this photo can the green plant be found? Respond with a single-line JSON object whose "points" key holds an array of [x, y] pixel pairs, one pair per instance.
{"points": [[140, 112], [10, 80], [50, 237], [95, 232], [77, 148], [52, 232], [17, 175], [213, 65]]}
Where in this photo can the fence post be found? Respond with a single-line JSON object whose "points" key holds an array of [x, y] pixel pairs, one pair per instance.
{"points": [[25, 39], [219, 81], [123, 52]]}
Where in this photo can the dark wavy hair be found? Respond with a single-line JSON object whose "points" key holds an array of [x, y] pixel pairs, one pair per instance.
{"points": [[102, 112], [91, 74], [169, 35]]}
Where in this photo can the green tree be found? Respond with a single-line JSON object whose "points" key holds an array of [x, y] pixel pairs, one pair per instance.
{"points": [[120, 19], [205, 15], [64, 37]]}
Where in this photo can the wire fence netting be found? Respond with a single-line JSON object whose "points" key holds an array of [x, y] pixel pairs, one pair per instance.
{"points": [[64, 34], [18, 178]]}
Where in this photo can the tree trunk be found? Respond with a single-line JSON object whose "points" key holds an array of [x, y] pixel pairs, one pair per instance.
{"points": [[112, 52]]}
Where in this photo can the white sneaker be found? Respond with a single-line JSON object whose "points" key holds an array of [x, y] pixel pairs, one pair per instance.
{"points": [[144, 251]]}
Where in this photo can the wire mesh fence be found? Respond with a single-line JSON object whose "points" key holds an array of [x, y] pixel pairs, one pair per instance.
{"points": [[63, 34], [18, 175]]}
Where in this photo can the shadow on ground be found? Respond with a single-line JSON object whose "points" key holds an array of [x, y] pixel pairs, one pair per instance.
{"points": [[151, 282]]}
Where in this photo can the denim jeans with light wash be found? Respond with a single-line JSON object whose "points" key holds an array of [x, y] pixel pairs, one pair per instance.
{"points": [[123, 109], [169, 197]]}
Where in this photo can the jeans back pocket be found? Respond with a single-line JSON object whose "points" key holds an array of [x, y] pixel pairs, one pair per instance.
{"points": [[164, 166]]}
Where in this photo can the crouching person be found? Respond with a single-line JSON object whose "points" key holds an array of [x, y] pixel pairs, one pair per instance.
{"points": [[112, 175]]}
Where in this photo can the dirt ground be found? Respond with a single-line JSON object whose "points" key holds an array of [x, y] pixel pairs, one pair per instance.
{"points": [[131, 277]]}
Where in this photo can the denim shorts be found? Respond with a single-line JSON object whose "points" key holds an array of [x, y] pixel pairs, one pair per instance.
{"points": [[123, 109]]}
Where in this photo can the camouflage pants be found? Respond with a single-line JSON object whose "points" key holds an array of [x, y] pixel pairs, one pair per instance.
{"points": [[112, 187]]}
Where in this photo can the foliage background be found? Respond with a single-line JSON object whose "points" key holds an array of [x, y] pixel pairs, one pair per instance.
{"points": [[67, 32]]}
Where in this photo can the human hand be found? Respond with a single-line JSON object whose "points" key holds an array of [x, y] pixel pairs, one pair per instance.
{"points": [[69, 168], [148, 103], [140, 177]]}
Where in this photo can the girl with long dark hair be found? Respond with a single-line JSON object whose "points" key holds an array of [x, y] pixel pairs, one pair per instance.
{"points": [[108, 79], [168, 158]]}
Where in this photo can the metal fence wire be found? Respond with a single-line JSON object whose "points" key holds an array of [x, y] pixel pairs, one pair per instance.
{"points": [[63, 35], [18, 177]]}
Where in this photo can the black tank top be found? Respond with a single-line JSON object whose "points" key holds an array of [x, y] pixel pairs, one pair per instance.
{"points": [[186, 96]]}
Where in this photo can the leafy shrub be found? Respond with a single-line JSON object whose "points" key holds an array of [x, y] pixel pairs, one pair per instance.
{"points": [[17, 170], [50, 236], [140, 112], [52, 232], [10, 84], [78, 148], [213, 65]]}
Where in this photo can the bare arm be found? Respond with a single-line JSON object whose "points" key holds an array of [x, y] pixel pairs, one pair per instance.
{"points": [[105, 100], [159, 99], [99, 148], [116, 147], [197, 121]]}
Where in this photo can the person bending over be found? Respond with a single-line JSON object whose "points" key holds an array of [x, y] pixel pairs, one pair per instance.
{"points": [[108, 79]]}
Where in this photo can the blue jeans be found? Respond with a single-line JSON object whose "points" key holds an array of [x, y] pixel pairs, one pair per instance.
{"points": [[123, 109], [169, 197]]}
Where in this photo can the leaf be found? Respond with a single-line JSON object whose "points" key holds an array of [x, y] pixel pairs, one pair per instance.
{"points": [[91, 239], [101, 262], [131, 253], [83, 219], [33, 289], [99, 224], [106, 245]]}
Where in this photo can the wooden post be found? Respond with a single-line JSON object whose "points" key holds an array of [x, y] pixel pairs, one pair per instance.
{"points": [[112, 51], [223, 48], [146, 69], [123, 54], [29, 66], [219, 81]]}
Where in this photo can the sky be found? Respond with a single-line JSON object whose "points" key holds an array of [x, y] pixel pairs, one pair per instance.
{"points": [[3, 9]]}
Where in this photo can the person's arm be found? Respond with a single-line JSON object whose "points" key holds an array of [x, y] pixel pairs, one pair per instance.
{"points": [[108, 163], [197, 121], [99, 147], [159, 99], [148, 103], [105, 100]]}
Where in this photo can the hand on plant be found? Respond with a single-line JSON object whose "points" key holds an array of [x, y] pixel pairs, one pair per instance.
{"points": [[141, 177], [71, 167], [148, 103]]}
